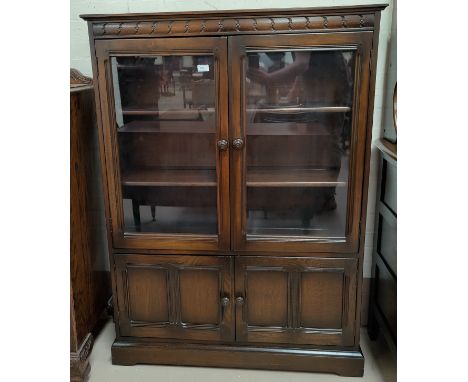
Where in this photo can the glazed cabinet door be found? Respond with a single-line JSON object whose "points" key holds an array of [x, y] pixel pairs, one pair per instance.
{"points": [[304, 301], [175, 297], [165, 140], [298, 130]]}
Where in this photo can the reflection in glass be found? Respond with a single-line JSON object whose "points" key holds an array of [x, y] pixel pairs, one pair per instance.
{"points": [[299, 106], [165, 114]]}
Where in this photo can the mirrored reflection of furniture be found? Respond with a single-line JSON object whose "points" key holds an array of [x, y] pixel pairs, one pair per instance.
{"points": [[237, 202], [383, 294], [89, 270]]}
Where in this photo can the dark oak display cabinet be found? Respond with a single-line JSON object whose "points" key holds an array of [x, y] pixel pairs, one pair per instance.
{"points": [[235, 148]]}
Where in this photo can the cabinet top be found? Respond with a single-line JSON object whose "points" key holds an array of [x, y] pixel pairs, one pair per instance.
{"points": [[228, 22]]}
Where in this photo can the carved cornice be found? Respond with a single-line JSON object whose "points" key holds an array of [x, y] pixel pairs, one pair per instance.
{"points": [[230, 25], [78, 78]]}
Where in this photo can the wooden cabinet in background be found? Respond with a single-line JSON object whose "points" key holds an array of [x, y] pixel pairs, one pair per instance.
{"points": [[89, 275], [383, 293], [235, 152]]}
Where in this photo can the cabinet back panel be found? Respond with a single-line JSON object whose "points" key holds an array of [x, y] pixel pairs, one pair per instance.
{"points": [[320, 152], [166, 150]]}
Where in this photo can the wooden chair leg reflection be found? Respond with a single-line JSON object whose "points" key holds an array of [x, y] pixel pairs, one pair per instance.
{"points": [[136, 214]]}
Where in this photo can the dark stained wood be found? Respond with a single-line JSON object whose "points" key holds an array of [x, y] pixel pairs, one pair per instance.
{"points": [[292, 177], [185, 46], [321, 298], [147, 289], [78, 80], [228, 299], [79, 360], [176, 297], [256, 177], [267, 291], [296, 301], [89, 284], [238, 46], [386, 297], [162, 177], [234, 22], [166, 127], [382, 316], [289, 110], [198, 289], [342, 362], [366, 159]]}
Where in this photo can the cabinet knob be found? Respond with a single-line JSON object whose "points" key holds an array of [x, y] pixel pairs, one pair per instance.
{"points": [[225, 301], [240, 300], [223, 144], [238, 143]]}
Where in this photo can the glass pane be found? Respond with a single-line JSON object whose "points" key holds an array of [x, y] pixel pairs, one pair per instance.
{"points": [[165, 113], [299, 105]]}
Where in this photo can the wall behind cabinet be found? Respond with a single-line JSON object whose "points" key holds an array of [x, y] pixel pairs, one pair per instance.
{"points": [[80, 55]]}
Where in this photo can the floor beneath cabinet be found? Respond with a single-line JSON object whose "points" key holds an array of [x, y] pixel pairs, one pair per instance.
{"points": [[380, 366]]}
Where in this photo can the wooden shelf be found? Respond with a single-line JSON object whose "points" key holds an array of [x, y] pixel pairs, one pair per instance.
{"points": [[295, 110], [287, 128], [181, 113], [257, 177], [132, 66], [202, 127], [157, 177], [168, 127], [211, 110]]}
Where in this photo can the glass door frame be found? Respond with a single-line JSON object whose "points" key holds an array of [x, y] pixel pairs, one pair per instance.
{"points": [[361, 43], [105, 49]]}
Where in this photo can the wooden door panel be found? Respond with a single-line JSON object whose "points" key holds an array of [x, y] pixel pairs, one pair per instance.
{"points": [[267, 302], [148, 295], [178, 297], [306, 198], [295, 300], [199, 296], [167, 178], [321, 289]]}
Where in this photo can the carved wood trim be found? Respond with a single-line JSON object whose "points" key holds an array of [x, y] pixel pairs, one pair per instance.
{"points": [[231, 25], [77, 78], [79, 360]]}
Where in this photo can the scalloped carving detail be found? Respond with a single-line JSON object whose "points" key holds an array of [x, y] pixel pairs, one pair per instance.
{"points": [[78, 78], [233, 25]]}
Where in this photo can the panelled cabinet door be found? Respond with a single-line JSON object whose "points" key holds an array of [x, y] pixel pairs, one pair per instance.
{"points": [[164, 123], [175, 297], [304, 301], [298, 126]]}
